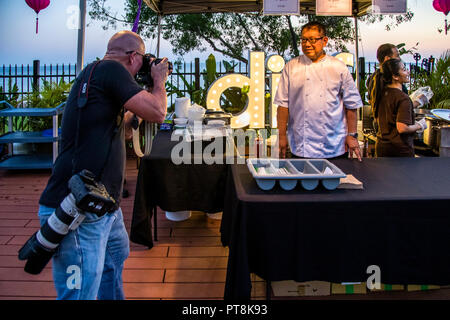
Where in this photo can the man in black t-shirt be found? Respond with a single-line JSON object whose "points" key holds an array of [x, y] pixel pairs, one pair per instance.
{"points": [[89, 261]]}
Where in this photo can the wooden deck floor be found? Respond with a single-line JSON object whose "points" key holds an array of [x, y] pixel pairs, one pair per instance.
{"points": [[188, 261]]}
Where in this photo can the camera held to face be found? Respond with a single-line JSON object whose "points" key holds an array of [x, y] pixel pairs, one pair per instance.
{"points": [[144, 76], [87, 195]]}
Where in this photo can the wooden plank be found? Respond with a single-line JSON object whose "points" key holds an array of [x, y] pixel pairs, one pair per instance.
{"points": [[215, 275], [18, 274], [176, 263], [10, 231], [9, 250], [183, 232], [5, 239], [192, 240], [143, 276], [144, 252], [198, 252], [28, 288], [172, 290], [14, 222]]}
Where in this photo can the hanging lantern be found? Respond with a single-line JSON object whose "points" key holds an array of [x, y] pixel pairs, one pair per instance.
{"points": [[37, 5], [444, 7]]}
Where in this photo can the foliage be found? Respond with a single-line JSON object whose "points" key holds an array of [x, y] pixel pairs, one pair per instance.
{"points": [[439, 81], [12, 97], [52, 95], [232, 100], [402, 50], [233, 34]]}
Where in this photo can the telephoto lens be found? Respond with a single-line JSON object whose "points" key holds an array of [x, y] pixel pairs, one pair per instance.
{"points": [[39, 249], [87, 195]]}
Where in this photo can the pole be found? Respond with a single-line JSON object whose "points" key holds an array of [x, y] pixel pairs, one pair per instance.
{"points": [[358, 76], [159, 35], [81, 37]]}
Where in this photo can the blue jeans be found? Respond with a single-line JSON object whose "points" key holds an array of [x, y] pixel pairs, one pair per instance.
{"points": [[88, 262]]}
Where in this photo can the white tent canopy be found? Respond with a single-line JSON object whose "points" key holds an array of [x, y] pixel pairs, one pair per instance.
{"points": [[166, 7]]}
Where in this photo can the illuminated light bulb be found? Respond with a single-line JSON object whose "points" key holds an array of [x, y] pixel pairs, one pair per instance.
{"points": [[256, 73], [256, 56], [256, 90], [214, 91], [212, 101], [277, 80], [257, 64], [256, 99], [256, 107], [245, 83], [228, 80], [255, 124], [238, 80], [272, 66], [220, 85], [256, 81], [255, 115]]}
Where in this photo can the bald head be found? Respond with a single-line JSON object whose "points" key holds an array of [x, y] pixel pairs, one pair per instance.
{"points": [[124, 41]]}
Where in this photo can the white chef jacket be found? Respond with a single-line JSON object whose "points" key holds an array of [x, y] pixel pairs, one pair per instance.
{"points": [[316, 94]]}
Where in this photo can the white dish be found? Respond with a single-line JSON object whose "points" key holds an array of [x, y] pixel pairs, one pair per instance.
{"points": [[216, 123], [180, 121]]}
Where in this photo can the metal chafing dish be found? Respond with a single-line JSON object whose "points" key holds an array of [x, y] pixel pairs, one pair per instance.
{"points": [[211, 114], [436, 135]]}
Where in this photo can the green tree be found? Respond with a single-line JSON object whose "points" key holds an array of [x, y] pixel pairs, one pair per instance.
{"points": [[233, 34]]}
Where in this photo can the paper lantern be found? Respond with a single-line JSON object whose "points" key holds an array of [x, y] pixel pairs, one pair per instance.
{"points": [[37, 5], [444, 7]]}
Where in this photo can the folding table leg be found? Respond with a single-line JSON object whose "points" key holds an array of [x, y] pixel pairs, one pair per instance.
{"points": [[155, 227]]}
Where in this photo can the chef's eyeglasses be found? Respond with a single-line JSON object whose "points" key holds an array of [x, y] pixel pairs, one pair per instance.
{"points": [[311, 40], [130, 52]]}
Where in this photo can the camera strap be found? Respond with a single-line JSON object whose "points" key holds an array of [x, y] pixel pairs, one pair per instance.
{"points": [[82, 100]]}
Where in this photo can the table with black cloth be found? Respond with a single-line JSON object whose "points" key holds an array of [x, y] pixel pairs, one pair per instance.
{"points": [[160, 182], [399, 222]]}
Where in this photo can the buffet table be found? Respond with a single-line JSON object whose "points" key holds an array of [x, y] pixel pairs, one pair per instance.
{"points": [[172, 187], [400, 222]]}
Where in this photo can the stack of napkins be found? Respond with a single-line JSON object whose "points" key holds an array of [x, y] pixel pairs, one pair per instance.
{"points": [[350, 182]]}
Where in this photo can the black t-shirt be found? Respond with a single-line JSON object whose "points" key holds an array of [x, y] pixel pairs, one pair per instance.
{"points": [[395, 106], [101, 143]]}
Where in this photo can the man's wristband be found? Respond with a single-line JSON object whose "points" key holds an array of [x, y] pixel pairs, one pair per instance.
{"points": [[353, 134]]}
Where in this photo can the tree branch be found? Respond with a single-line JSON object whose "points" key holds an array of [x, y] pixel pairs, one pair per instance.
{"points": [[293, 37], [243, 25]]}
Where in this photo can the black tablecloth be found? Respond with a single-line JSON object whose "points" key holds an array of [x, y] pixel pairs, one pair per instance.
{"points": [[172, 187], [399, 222]]}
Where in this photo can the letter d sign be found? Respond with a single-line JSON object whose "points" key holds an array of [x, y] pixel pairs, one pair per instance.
{"points": [[253, 113]]}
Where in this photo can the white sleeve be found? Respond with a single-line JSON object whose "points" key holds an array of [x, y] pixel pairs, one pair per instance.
{"points": [[350, 94]]}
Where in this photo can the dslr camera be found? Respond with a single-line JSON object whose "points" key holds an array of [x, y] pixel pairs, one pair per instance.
{"points": [[86, 195], [144, 75]]}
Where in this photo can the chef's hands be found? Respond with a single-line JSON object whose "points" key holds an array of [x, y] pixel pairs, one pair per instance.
{"points": [[420, 101], [421, 96], [422, 124], [352, 147]]}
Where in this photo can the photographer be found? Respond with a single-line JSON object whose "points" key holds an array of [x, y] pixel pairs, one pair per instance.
{"points": [[89, 260]]}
